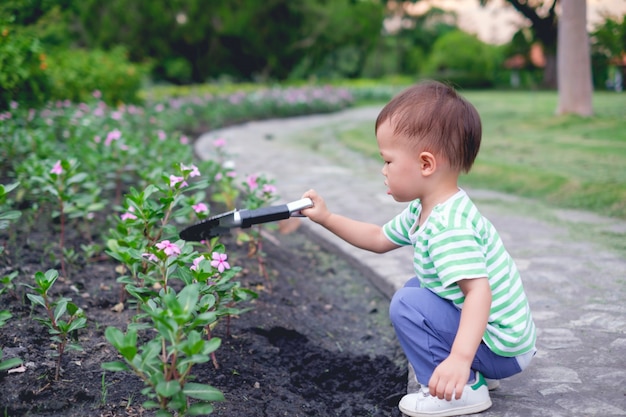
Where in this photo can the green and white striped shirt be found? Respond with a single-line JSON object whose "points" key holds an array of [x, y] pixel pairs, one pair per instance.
{"points": [[456, 242]]}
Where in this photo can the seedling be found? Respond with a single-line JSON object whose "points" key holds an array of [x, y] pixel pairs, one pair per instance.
{"points": [[7, 285], [56, 310], [104, 390]]}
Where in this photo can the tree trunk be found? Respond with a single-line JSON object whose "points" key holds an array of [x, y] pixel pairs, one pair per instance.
{"points": [[574, 60], [550, 75]]}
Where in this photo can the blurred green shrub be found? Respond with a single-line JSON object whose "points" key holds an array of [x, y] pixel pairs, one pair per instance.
{"points": [[463, 60], [23, 68], [75, 74]]}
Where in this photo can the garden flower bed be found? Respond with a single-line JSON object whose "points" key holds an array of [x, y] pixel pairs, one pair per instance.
{"points": [[106, 312]]}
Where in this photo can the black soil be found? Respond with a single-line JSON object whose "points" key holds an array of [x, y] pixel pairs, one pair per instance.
{"points": [[317, 341]]}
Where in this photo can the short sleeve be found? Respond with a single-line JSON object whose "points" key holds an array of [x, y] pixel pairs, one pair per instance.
{"points": [[398, 229]]}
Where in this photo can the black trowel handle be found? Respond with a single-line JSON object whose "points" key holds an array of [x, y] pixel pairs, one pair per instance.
{"points": [[273, 213]]}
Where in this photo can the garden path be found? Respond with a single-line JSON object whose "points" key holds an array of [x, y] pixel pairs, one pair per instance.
{"points": [[575, 283]]}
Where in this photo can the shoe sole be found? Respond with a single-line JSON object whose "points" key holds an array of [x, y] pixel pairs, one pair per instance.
{"points": [[470, 409]]}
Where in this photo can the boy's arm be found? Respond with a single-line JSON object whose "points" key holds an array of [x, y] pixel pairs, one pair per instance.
{"points": [[363, 235], [451, 375]]}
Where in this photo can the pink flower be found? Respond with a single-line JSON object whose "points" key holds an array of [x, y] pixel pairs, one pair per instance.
{"points": [[151, 256], [97, 94], [269, 189], [184, 140], [129, 214], [57, 169], [219, 261], [175, 180], [196, 263], [111, 136], [194, 170], [219, 143], [169, 248], [162, 135], [200, 208], [252, 181]]}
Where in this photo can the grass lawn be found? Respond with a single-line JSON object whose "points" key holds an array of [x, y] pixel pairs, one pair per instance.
{"points": [[566, 161]]}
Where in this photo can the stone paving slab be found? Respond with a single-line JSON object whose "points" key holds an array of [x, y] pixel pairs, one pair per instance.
{"points": [[577, 288]]}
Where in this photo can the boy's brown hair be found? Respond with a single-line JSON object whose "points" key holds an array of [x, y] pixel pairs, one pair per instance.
{"points": [[438, 120]]}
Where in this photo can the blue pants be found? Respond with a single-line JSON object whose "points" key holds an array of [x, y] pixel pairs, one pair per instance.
{"points": [[426, 326]]}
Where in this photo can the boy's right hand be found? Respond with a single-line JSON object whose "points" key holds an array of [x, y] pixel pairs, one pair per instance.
{"points": [[319, 212]]}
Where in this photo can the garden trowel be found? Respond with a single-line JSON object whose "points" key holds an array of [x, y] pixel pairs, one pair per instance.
{"points": [[222, 223]]}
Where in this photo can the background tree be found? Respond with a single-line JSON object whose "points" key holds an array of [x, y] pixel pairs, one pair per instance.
{"points": [[543, 23], [609, 51], [417, 35], [196, 40], [574, 60], [337, 37], [464, 60]]}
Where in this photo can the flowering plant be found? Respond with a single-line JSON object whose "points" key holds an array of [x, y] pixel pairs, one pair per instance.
{"points": [[164, 363]]}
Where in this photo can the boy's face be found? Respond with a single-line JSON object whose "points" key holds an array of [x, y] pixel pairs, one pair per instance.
{"points": [[402, 169]]}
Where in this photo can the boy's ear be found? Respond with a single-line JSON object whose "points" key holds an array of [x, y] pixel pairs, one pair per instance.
{"points": [[428, 163]]}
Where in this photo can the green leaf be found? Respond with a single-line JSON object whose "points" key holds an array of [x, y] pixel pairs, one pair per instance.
{"points": [[115, 366], [36, 299], [148, 405], [10, 363], [60, 309], [212, 345], [47, 280], [5, 189], [4, 316], [72, 309], [10, 215], [168, 388], [125, 344], [203, 392], [188, 299], [200, 409], [166, 327], [75, 346], [80, 177], [192, 360], [114, 336], [113, 245], [79, 323], [185, 275], [204, 319], [149, 190]]}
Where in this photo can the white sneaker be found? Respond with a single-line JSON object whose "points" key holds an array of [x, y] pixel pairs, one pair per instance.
{"points": [[475, 398], [492, 384]]}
